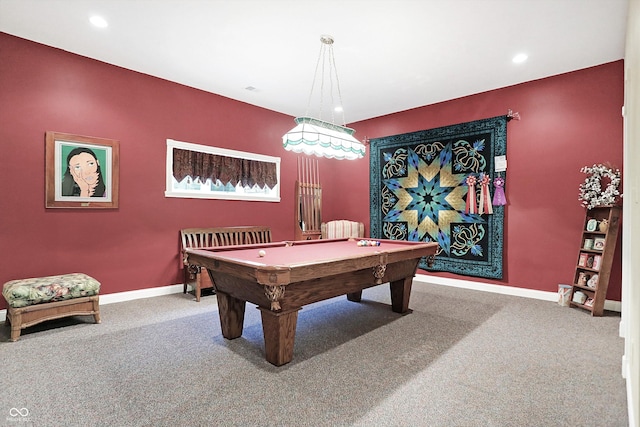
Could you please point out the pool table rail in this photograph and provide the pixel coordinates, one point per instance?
(220, 259)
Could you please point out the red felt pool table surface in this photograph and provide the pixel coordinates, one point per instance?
(293, 274)
(292, 254)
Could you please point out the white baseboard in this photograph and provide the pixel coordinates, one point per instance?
(506, 290)
(466, 284)
(140, 293)
(626, 374)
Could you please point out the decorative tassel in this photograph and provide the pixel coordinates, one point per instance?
(471, 195)
(485, 198)
(499, 199)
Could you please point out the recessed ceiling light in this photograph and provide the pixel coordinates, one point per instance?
(99, 21)
(520, 58)
(338, 109)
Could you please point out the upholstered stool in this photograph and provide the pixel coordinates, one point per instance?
(35, 300)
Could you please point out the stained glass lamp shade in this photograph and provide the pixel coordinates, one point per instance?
(323, 139)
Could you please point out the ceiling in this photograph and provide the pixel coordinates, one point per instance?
(391, 55)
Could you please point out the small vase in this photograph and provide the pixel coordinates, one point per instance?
(603, 226)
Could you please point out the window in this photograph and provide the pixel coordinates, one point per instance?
(204, 172)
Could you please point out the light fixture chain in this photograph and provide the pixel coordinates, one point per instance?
(332, 66)
(315, 76)
(321, 66)
(335, 69)
(324, 65)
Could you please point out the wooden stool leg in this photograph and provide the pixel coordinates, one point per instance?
(16, 325)
(96, 309)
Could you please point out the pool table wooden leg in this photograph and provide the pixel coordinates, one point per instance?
(279, 328)
(231, 311)
(355, 296)
(400, 293)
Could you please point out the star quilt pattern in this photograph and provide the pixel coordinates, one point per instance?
(419, 192)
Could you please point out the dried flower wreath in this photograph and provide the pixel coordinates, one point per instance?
(591, 194)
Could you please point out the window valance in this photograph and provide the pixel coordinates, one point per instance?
(224, 168)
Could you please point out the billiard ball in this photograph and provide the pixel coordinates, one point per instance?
(261, 253)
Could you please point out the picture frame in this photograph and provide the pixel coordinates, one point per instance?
(592, 224)
(598, 243)
(93, 179)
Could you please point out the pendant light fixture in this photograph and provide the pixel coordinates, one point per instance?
(315, 135)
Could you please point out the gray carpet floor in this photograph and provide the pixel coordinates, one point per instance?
(461, 358)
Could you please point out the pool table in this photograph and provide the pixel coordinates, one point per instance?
(289, 275)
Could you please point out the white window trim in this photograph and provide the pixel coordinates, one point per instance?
(170, 192)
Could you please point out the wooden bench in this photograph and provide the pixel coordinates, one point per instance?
(36, 300)
(219, 236)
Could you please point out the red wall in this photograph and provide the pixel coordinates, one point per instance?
(567, 122)
(135, 246)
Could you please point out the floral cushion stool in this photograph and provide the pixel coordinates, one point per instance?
(35, 300)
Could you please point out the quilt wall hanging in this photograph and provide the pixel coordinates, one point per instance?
(434, 185)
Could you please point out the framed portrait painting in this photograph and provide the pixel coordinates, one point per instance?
(81, 171)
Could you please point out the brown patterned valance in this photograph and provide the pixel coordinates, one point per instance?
(227, 169)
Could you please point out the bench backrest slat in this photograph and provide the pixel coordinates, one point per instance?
(223, 236)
